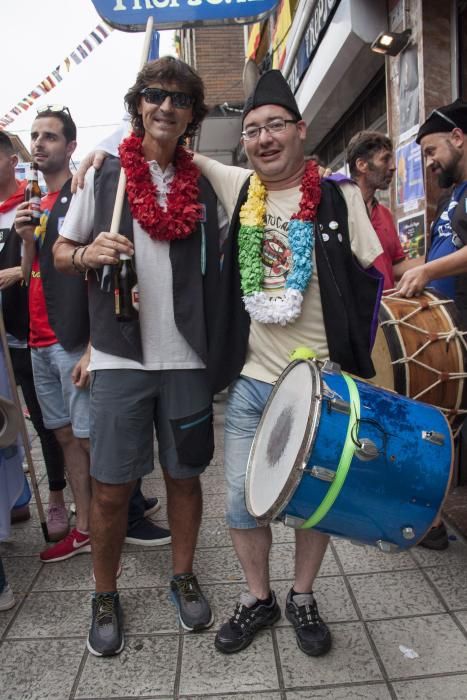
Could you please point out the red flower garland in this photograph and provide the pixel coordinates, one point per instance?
(182, 212)
(311, 193)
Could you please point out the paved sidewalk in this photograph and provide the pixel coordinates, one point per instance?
(374, 602)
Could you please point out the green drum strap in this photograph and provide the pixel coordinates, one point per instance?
(345, 460)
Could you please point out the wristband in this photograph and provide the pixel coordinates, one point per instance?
(75, 266)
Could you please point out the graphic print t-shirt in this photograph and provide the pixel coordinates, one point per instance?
(40, 333)
(270, 345)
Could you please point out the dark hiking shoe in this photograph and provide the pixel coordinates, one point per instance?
(238, 632)
(313, 635)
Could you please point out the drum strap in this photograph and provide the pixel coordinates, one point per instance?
(346, 457)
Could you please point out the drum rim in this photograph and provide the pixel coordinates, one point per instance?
(304, 451)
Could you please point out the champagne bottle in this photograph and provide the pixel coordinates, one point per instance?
(33, 194)
(126, 290)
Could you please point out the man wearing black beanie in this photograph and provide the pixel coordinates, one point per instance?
(443, 139)
(284, 222)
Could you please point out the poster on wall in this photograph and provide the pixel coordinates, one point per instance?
(409, 114)
(409, 176)
(412, 235)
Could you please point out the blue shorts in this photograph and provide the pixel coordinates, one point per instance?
(60, 400)
(245, 405)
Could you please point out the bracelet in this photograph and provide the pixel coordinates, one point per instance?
(81, 261)
(75, 266)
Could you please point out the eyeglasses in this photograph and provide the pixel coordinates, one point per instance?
(437, 113)
(275, 126)
(156, 96)
(53, 108)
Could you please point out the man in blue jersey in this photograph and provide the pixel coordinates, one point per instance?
(443, 139)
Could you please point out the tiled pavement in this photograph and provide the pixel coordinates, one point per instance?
(374, 602)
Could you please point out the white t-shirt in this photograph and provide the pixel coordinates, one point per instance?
(270, 345)
(164, 347)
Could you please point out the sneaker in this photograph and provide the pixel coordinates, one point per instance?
(238, 632)
(7, 599)
(147, 533)
(74, 543)
(313, 635)
(20, 515)
(151, 506)
(57, 522)
(26, 413)
(437, 538)
(105, 636)
(194, 612)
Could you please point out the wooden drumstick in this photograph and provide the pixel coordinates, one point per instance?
(120, 195)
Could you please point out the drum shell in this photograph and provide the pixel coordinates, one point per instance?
(403, 487)
(411, 355)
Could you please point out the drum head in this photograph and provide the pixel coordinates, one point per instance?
(283, 440)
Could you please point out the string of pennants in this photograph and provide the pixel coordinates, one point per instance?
(79, 54)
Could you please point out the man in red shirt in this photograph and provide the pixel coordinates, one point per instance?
(371, 162)
(15, 316)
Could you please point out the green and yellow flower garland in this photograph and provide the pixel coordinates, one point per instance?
(260, 306)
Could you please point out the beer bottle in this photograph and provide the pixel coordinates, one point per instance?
(33, 194)
(126, 290)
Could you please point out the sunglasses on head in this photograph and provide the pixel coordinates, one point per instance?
(53, 108)
(156, 96)
(437, 113)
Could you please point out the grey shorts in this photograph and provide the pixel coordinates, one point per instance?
(126, 404)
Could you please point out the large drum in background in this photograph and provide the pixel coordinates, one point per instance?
(419, 352)
(349, 459)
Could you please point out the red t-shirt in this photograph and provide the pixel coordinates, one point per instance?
(382, 221)
(40, 332)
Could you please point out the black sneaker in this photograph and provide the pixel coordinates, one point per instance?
(193, 609)
(437, 538)
(147, 533)
(313, 635)
(105, 637)
(238, 632)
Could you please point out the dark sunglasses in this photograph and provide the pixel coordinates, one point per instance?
(54, 108)
(156, 96)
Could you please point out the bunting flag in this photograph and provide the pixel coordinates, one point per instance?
(254, 40)
(279, 36)
(75, 57)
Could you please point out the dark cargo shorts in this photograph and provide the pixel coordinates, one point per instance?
(125, 406)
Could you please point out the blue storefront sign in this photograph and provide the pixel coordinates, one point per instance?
(132, 15)
(321, 16)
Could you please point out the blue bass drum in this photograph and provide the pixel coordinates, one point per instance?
(349, 459)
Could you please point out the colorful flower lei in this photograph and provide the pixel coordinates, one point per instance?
(259, 305)
(182, 212)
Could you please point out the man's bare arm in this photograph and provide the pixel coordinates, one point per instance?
(414, 281)
(71, 257)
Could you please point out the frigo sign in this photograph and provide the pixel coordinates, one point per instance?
(132, 15)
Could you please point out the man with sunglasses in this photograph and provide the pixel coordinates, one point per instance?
(152, 369)
(59, 334)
